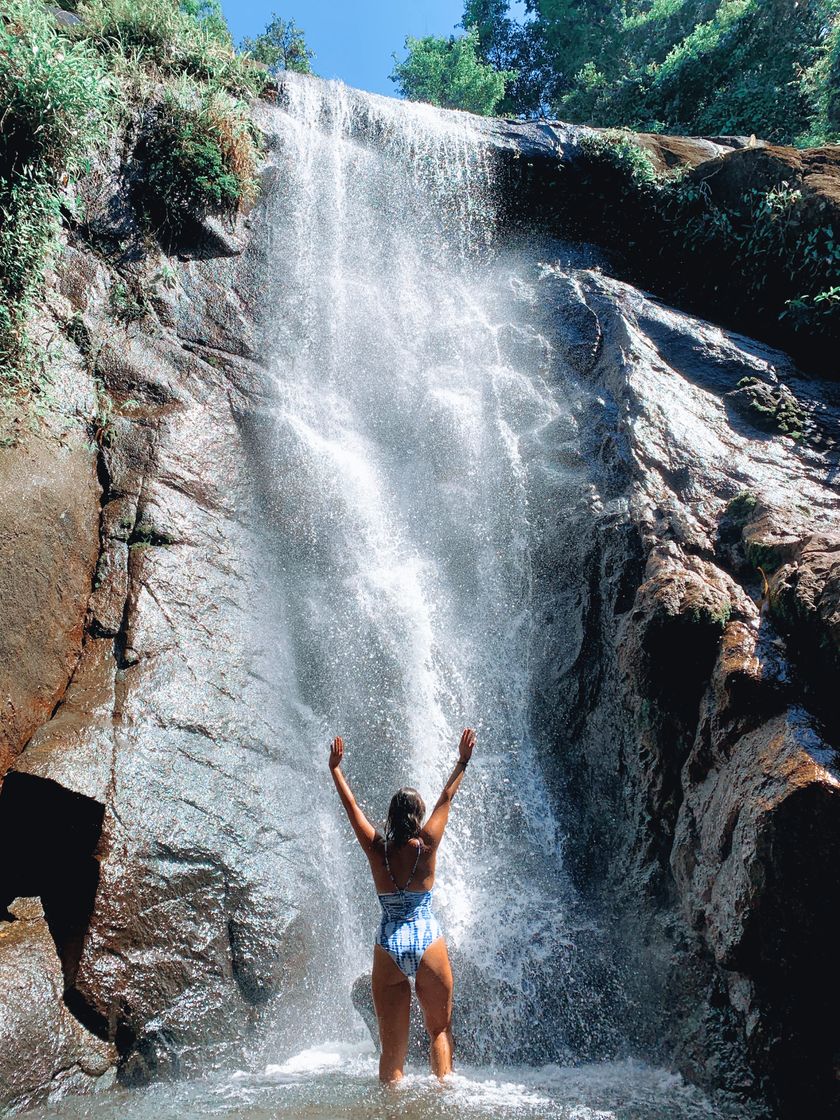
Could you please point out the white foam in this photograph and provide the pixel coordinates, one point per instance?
(319, 1059)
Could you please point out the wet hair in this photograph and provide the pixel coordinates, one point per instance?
(405, 816)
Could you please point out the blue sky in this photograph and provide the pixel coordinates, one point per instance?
(352, 39)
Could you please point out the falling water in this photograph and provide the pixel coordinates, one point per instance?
(415, 469)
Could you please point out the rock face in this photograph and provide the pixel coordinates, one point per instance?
(707, 660)
(692, 710)
(136, 649)
(44, 1051)
(747, 240)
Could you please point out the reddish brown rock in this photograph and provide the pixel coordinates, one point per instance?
(814, 171)
(669, 152)
(49, 542)
(805, 596)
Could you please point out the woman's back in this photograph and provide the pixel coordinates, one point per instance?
(409, 866)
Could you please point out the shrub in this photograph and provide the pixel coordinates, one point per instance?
(822, 82)
(160, 34)
(56, 98)
(752, 253)
(55, 95)
(751, 236)
(200, 155)
(619, 153)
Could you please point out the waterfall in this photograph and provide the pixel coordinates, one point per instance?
(420, 454)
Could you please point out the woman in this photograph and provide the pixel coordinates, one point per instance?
(410, 942)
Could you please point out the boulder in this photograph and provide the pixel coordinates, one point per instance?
(815, 172)
(44, 1051)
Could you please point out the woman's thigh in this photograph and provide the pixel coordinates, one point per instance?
(392, 1001)
(434, 987)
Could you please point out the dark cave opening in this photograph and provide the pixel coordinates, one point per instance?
(49, 837)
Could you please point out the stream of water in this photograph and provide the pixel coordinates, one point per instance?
(419, 459)
(423, 460)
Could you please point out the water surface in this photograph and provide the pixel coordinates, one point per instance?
(338, 1082)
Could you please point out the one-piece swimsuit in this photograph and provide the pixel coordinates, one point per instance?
(408, 925)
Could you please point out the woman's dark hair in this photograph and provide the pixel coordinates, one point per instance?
(405, 816)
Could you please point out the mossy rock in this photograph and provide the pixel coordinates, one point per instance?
(741, 508)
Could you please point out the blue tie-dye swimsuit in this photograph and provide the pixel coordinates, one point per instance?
(408, 926)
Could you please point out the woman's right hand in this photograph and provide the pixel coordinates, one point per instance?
(336, 753)
(465, 747)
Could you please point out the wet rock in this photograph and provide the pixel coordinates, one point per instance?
(814, 171)
(44, 1051)
(755, 858)
(669, 152)
(692, 722)
(154, 685)
(805, 599)
(49, 514)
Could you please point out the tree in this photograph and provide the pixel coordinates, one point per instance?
(508, 46)
(281, 46)
(495, 31)
(734, 66)
(571, 34)
(449, 73)
(771, 67)
(209, 14)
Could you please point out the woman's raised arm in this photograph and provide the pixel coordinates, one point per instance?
(436, 824)
(365, 832)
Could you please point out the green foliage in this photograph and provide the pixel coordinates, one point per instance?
(620, 153)
(756, 254)
(173, 39)
(708, 615)
(200, 156)
(209, 15)
(56, 98)
(739, 72)
(572, 33)
(506, 45)
(776, 408)
(198, 146)
(144, 535)
(449, 73)
(822, 83)
(64, 90)
(281, 46)
(769, 67)
(55, 95)
(765, 227)
(126, 305)
(733, 66)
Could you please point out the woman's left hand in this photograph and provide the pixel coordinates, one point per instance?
(336, 753)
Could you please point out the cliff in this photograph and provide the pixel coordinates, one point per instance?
(691, 706)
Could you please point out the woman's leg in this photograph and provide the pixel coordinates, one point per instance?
(392, 1001)
(433, 984)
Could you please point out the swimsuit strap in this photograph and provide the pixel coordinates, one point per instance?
(413, 870)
